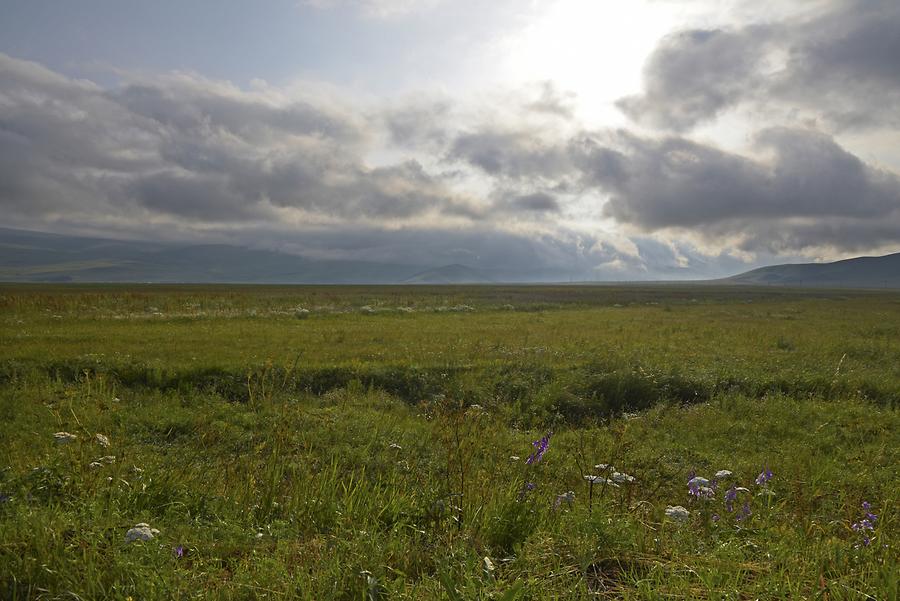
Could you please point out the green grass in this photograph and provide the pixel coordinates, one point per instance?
(262, 443)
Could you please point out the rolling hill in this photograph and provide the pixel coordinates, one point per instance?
(40, 257)
(860, 272)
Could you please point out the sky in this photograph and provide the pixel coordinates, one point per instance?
(545, 139)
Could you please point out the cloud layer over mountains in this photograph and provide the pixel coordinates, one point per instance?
(522, 183)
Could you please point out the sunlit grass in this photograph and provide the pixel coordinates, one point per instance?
(320, 469)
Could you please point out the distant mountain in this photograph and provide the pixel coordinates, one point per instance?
(861, 272)
(450, 274)
(40, 257)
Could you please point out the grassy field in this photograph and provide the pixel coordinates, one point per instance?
(373, 442)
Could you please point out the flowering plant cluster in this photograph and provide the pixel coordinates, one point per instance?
(540, 447)
(702, 489)
(865, 526)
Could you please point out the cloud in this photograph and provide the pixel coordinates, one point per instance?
(380, 9)
(808, 184)
(429, 180)
(838, 66)
(512, 153)
(186, 147)
(693, 76)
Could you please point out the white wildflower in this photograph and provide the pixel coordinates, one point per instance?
(603, 467)
(593, 479)
(107, 459)
(94, 465)
(723, 474)
(141, 532)
(742, 489)
(102, 440)
(620, 478)
(301, 313)
(395, 446)
(487, 566)
(514, 457)
(64, 437)
(566, 497)
(677, 513)
(698, 481)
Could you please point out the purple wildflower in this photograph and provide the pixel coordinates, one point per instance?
(180, 551)
(866, 523)
(764, 476)
(744, 512)
(715, 517)
(730, 496)
(526, 488)
(540, 447)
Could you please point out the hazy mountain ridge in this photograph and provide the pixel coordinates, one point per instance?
(860, 272)
(40, 257)
(27, 256)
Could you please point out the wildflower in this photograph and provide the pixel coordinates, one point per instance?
(620, 478)
(764, 476)
(866, 525)
(567, 497)
(487, 566)
(677, 513)
(594, 479)
(94, 465)
(698, 486)
(730, 496)
(603, 467)
(107, 459)
(180, 551)
(102, 440)
(526, 488)
(540, 447)
(395, 446)
(715, 517)
(141, 532)
(698, 481)
(514, 458)
(723, 474)
(744, 512)
(64, 437)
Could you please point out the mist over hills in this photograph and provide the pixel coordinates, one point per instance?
(27, 256)
(860, 272)
(38, 257)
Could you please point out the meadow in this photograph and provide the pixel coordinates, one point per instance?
(466, 442)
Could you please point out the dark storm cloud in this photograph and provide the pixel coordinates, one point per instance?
(693, 75)
(418, 123)
(537, 201)
(194, 149)
(511, 203)
(810, 184)
(840, 66)
(510, 153)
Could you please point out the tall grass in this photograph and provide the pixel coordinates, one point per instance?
(316, 467)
